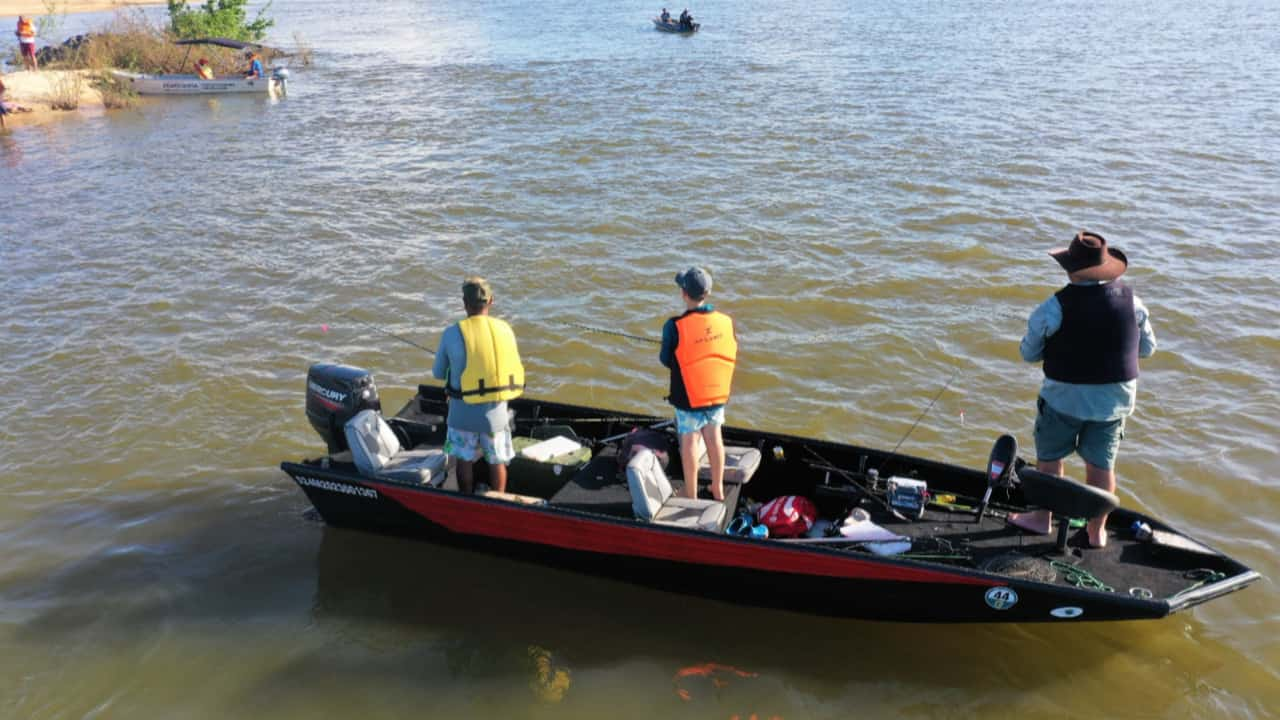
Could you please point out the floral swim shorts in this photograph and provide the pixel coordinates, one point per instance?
(469, 446)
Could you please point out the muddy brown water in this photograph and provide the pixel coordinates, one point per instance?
(873, 187)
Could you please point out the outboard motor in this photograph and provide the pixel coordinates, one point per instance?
(279, 81)
(335, 393)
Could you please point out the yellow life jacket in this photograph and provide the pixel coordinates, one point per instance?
(706, 355)
(494, 372)
(26, 29)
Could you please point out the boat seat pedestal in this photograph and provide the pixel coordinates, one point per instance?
(1065, 498)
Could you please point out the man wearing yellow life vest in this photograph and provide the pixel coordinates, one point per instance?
(701, 349)
(26, 33)
(480, 365)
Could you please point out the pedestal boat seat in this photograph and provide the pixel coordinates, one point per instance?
(377, 453)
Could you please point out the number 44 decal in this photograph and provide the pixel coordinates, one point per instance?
(1001, 598)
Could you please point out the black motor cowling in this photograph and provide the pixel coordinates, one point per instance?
(335, 393)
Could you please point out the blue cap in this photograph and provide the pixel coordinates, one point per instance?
(695, 282)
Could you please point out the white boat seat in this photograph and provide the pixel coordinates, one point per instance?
(653, 500)
(740, 463)
(377, 453)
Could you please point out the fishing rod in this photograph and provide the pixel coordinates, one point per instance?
(386, 332)
(894, 452)
(590, 328)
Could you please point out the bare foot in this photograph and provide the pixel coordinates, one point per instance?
(1039, 521)
(1098, 533)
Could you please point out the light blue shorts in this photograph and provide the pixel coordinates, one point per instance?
(690, 421)
(469, 446)
(1058, 435)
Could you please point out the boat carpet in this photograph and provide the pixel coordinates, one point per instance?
(1125, 565)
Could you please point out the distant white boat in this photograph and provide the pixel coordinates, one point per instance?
(194, 85)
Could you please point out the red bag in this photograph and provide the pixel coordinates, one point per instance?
(788, 516)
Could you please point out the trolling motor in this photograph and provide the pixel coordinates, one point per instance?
(1000, 472)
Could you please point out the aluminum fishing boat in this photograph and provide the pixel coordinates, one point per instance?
(930, 542)
(674, 26)
(274, 82)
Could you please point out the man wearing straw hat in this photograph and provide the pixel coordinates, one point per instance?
(1089, 335)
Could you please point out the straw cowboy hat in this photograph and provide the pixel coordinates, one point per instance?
(1089, 258)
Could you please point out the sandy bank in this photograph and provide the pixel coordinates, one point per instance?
(37, 89)
(14, 8)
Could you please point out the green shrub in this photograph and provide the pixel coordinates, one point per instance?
(218, 18)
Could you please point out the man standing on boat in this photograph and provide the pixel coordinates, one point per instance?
(701, 349)
(480, 365)
(1089, 336)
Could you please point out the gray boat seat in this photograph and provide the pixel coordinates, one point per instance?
(740, 463)
(653, 499)
(377, 453)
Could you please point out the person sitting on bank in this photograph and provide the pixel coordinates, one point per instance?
(203, 70)
(701, 350)
(8, 108)
(26, 33)
(480, 364)
(665, 16)
(255, 65)
(1089, 335)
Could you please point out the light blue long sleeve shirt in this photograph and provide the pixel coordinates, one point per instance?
(451, 362)
(1108, 401)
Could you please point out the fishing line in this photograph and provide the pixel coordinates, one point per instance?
(385, 331)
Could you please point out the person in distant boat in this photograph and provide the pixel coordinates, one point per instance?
(8, 108)
(665, 16)
(203, 69)
(701, 349)
(1089, 335)
(255, 65)
(480, 365)
(26, 33)
(684, 18)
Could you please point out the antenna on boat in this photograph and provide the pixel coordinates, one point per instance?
(894, 452)
(386, 332)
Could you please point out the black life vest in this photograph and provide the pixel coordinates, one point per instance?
(1098, 340)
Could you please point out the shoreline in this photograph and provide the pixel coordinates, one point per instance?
(34, 90)
(36, 8)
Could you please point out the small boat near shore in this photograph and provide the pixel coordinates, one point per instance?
(145, 84)
(894, 538)
(674, 26)
(275, 82)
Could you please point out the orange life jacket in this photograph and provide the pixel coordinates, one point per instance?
(26, 29)
(706, 354)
